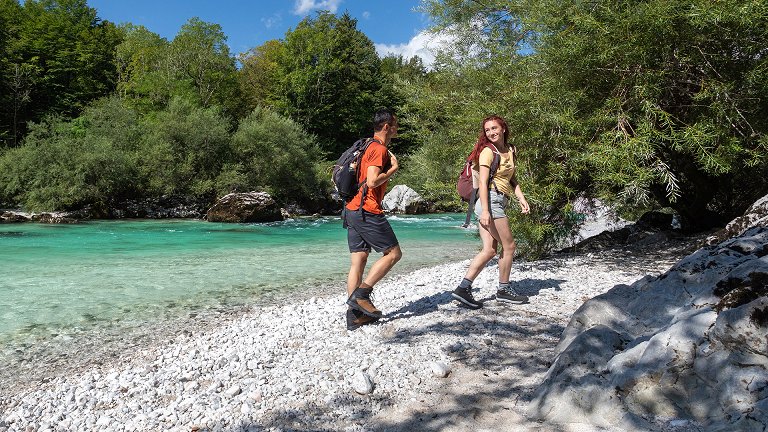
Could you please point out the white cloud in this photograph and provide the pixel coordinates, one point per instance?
(423, 45)
(302, 7)
(366, 15)
(271, 21)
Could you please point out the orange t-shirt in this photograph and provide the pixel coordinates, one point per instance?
(375, 155)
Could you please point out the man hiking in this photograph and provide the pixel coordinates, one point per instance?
(366, 225)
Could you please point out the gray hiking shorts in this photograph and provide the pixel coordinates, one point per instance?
(498, 202)
(368, 230)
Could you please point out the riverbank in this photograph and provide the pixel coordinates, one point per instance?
(291, 367)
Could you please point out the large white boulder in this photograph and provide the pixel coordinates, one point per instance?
(598, 218)
(402, 199)
(691, 345)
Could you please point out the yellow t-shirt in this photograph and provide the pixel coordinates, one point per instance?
(506, 172)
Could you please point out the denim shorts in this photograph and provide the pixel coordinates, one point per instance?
(368, 230)
(498, 203)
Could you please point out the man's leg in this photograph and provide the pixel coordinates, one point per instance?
(378, 233)
(355, 277)
(359, 250)
(382, 266)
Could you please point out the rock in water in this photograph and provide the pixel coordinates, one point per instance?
(244, 208)
(402, 199)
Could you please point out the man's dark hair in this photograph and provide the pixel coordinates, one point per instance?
(383, 116)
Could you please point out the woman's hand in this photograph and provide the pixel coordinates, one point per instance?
(485, 218)
(524, 207)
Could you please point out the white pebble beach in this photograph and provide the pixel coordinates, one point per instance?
(429, 364)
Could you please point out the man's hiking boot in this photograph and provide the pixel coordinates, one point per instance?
(357, 319)
(464, 295)
(360, 300)
(510, 296)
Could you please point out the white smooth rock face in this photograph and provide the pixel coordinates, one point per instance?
(399, 198)
(690, 342)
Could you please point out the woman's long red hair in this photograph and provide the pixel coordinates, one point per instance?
(482, 140)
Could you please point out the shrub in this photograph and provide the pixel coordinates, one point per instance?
(274, 154)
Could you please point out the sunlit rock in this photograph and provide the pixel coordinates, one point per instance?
(245, 207)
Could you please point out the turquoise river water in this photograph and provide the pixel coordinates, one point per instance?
(62, 279)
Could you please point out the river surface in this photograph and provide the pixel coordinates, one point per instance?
(60, 280)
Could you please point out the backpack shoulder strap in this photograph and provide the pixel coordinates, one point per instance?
(363, 184)
(364, 149)
(494, 164)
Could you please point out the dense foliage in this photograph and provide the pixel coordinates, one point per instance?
(645, 104)
(292, 173)
(57, 57)
(325, 75)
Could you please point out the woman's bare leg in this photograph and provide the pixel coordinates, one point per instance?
(486, 254)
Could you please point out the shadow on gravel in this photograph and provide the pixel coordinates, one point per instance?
(420, 307)
(423, 306)
(504, 353)
(532, 287)
(490, 344)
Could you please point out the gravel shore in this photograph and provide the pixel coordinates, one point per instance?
(295, 366)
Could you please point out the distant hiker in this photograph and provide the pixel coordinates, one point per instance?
(493, 198)
(366, 225)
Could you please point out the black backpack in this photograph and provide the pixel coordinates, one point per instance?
(345, 175)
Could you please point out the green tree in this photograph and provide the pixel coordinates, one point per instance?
(398, 75)
(259, 77)
(58, 57)
(69, 164)
(330, 78)
(144, 74)
(196, 65)
(184, 148)
(274, 154)
(200, 56)
(14, 87)
(645, 103)
(675, 96)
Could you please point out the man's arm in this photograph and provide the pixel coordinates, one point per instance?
(375, 177)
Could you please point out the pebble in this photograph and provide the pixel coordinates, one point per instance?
(233, 391)
(362, 383)
(440, 369)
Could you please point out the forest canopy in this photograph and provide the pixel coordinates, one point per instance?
(643, 104)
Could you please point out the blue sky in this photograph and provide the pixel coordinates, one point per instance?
(393, 25)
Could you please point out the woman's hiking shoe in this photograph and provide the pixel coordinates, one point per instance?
(360, 300)
(510, 296)
(465, 297)
(357, 319)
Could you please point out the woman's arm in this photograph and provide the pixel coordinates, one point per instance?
(483, 191)
(524, 207)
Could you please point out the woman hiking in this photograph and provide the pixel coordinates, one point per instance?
(494, 192)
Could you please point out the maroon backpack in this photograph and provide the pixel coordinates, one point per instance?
(465, 186)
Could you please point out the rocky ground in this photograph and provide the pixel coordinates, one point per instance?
(294, 366)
